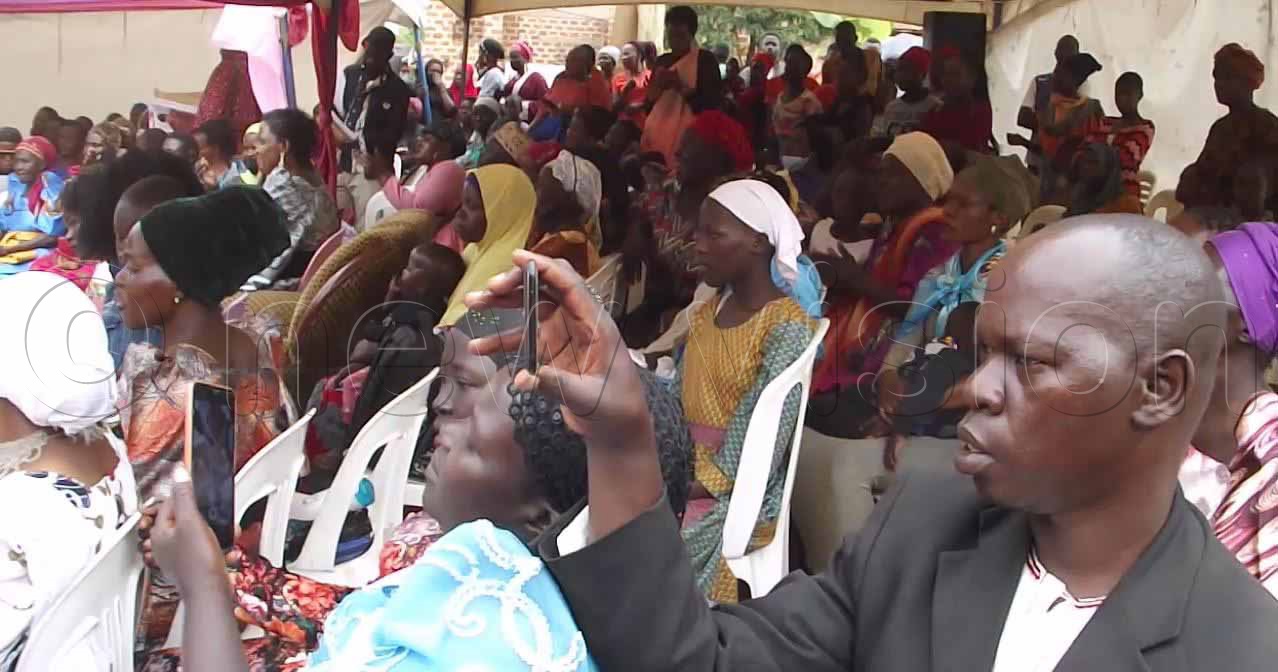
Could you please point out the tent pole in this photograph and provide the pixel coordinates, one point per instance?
(466, 11)
(290, 86)
(421, 73)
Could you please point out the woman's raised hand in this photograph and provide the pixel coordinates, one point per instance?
(584, 364)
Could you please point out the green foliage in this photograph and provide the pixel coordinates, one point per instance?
(741, 27)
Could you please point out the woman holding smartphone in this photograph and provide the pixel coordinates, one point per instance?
(181, 260)
(63, 487)
(503, 457)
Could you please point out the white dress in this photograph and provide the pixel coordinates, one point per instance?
(43, 548)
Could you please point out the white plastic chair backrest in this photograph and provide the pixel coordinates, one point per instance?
(678, 331)
(1164, 201)
(604, 280)
(754, 469)
(1148, 180)
(396, 427)
(272, 473)
(1040, 217)
(101, 602)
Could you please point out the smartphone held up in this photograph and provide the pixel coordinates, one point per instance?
(210, 456)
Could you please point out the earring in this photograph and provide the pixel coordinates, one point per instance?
(994, 229)
(177, 299)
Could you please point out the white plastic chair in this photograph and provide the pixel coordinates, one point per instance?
(1036, 220)
(1164, 202)
(271, 474)
(396, 427)
(102, 602)
(619, 298)
(764, 567)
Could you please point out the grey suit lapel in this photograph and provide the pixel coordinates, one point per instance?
(973, 592)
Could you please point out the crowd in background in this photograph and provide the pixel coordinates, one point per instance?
(738, 205)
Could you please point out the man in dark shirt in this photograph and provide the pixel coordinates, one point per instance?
(375, 99)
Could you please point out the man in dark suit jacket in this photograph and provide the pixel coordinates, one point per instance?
(375, 99)
(1090, 384)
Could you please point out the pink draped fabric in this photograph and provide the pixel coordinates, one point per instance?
(1247, 521)
(61, 6)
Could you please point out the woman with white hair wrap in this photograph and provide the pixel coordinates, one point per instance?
(62, 484)
(739, 341)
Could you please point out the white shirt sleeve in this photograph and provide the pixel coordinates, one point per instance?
(1030, 94)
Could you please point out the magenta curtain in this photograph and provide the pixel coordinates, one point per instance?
(52, 6)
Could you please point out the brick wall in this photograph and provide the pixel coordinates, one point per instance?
(552, 33)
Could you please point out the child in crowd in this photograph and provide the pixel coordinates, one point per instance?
(396, 347)
(1130, 134)
(906, 114)
(793, 109)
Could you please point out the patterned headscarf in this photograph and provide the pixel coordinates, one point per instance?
(515, 141)
(40, 147)
(1243, 63)
(583, 180)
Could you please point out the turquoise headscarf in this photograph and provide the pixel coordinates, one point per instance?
(477, 599)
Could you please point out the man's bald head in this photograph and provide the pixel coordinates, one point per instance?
(1158, 280)
(1100, 339)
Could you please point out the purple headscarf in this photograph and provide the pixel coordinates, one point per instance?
(1250, 257)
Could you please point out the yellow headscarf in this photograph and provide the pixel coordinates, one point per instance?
(509, 203)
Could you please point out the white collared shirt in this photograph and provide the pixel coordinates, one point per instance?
(1043, 622)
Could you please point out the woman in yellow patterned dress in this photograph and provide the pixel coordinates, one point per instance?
(748, 244)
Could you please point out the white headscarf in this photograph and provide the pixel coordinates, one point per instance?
(579, 177)
(582, 179)
(55, 365)
(761, 208)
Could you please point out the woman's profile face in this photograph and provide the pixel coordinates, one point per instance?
(27, 166)
(269, 149)
(477, 470)
(471, 223)
(145, 292)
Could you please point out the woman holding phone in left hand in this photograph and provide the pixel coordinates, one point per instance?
(180, 261)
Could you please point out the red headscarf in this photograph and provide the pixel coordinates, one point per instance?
(524, 49)
(766, 59)
(720, 130)
(472, 91)
(918, 57)
(40, 147)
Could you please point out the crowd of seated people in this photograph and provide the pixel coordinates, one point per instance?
(747, 209)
